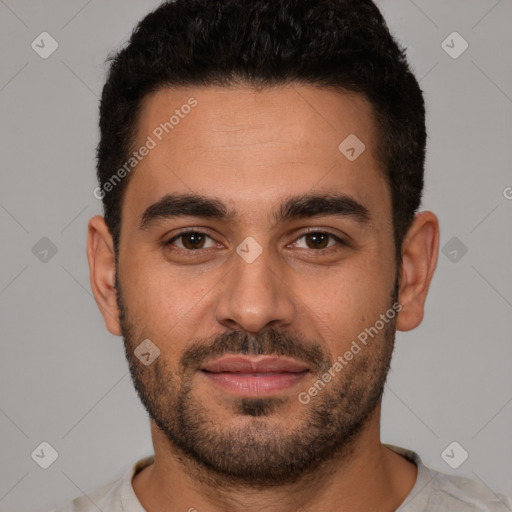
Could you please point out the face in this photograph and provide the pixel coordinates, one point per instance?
(256, 257)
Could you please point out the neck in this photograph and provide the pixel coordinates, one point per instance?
(365, 476)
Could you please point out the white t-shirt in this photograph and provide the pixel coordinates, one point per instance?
(433, 492)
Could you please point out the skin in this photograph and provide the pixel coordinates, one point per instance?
(252, 150)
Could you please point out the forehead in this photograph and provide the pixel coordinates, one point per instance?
(249, 147)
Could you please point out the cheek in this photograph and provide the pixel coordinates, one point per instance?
(350, 300)
(163, 302)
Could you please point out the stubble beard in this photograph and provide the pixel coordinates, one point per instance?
(261, 450)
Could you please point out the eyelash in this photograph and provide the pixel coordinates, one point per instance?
(339, 240)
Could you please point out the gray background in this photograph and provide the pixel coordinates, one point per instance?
(64, 378)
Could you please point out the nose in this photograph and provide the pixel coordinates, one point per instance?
(255, 296)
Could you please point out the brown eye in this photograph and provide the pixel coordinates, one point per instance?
(190, 240)
(317, 240)
(193, 240)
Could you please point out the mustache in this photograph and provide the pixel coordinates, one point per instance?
(270, 342)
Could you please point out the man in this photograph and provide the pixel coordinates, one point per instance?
(261, 169)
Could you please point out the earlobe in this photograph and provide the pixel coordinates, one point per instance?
(100, 254)
(419, 259)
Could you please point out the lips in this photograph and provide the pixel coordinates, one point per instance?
(257, 364)
(254, 375)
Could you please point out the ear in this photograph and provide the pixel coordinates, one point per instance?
(102, 268)
(419, 259)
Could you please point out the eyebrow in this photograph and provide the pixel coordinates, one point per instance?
(294, 207)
